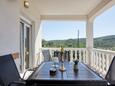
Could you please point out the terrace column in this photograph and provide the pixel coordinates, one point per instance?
(89, 41)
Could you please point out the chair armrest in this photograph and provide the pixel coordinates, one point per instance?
(30, 69)
(27, 71)
(22, 83)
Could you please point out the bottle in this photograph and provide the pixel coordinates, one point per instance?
(75, 66)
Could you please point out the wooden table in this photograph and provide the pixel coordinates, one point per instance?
(83, 77)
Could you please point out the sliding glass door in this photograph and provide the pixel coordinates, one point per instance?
(25, 44)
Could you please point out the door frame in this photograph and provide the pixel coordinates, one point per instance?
(26, 23)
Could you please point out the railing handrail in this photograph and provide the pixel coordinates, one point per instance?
(104, 51)
(65, 48)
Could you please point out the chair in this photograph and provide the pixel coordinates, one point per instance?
(9, 75)
(110, 76)
(46, 55)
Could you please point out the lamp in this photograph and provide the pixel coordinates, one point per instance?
(26, 4)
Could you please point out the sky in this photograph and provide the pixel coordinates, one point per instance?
(104, 25)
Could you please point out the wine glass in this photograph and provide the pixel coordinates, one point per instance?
(55, 62)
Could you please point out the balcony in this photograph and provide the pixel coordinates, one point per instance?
(21, 31)
(100, 59)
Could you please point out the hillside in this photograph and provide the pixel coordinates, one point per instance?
(106, 42)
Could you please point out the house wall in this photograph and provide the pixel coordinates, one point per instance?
(9, 26)
(32, 13)
(10, 13)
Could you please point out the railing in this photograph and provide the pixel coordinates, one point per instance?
(72, 53)
(100, 60)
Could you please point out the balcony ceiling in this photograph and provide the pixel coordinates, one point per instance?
(71, 9)
(67, 7)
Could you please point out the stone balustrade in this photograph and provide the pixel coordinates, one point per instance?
(100, 60)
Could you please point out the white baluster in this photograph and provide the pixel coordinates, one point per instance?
(86, 56)
(83, 57)
(80, 56)
(71, 56)
(107, 62)
(100, 62)
(103, 63)
(75, 54)
(97, 60)
(94, 59)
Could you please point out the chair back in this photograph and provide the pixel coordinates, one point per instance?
(8, 70)
(46, 55)
(110, 76)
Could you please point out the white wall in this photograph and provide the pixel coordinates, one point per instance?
(10, 12)
(9, 26)
(32, 13)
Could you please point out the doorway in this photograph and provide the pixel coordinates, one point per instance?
(25, 44)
